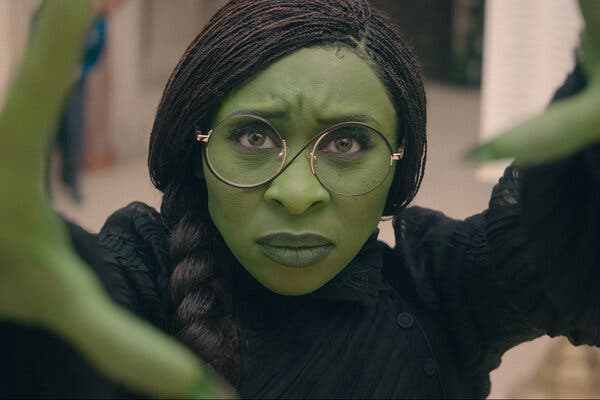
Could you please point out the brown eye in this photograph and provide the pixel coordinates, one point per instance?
(256, 139)
(343, 144)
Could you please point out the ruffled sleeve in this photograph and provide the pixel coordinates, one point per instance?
(527, 266)
(134, 242)
(561, 221)
(544, 235)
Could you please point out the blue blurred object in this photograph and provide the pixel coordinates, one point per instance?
(70, 131)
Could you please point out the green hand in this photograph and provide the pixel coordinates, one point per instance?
(568, 125)
(42, 281)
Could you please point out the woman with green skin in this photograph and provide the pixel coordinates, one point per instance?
(275, 170)
(314, 89)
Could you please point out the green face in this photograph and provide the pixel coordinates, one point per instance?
(292, 234)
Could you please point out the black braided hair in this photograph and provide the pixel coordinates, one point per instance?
(241, 39)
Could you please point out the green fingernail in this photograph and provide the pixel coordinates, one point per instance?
(481, 153)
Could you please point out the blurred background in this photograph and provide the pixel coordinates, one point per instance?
(488, 63)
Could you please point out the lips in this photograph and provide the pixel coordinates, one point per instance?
(295, 250)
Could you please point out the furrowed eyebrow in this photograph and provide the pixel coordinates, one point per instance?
(263, 113)
(335, 119)
(271, 108)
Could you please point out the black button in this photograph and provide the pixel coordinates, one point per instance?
(405, 320)
(429, 366)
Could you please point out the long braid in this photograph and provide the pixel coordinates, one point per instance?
(201, 305)
(241, 39)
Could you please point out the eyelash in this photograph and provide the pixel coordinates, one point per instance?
(360, 137)
(237, 132)
(355, 134)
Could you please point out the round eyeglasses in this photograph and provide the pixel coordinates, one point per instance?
(349, 158)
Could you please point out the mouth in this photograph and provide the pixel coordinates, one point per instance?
(293, 250)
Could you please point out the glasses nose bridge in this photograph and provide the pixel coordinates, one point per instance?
(308, 148)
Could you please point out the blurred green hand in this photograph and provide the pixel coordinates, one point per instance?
(42, 281)
(566, 126)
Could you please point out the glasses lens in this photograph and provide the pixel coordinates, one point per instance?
(352, 159)
(244, 151)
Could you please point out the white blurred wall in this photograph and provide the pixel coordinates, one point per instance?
(146, 39)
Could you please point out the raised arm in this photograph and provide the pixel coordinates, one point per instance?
(557, 202)
(530, 264)
(42, 281)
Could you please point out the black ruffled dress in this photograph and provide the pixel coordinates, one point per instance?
(428, 318)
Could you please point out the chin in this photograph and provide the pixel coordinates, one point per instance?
(291, 286)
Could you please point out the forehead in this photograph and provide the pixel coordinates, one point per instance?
(315, 86)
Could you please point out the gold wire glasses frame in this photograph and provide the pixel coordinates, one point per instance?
(204, 138)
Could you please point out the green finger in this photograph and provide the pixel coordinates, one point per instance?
(562, 130)
(590, 41)
(567, 126)
(126, 349)
(122, 347)
(35, 99)
(590, 10)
